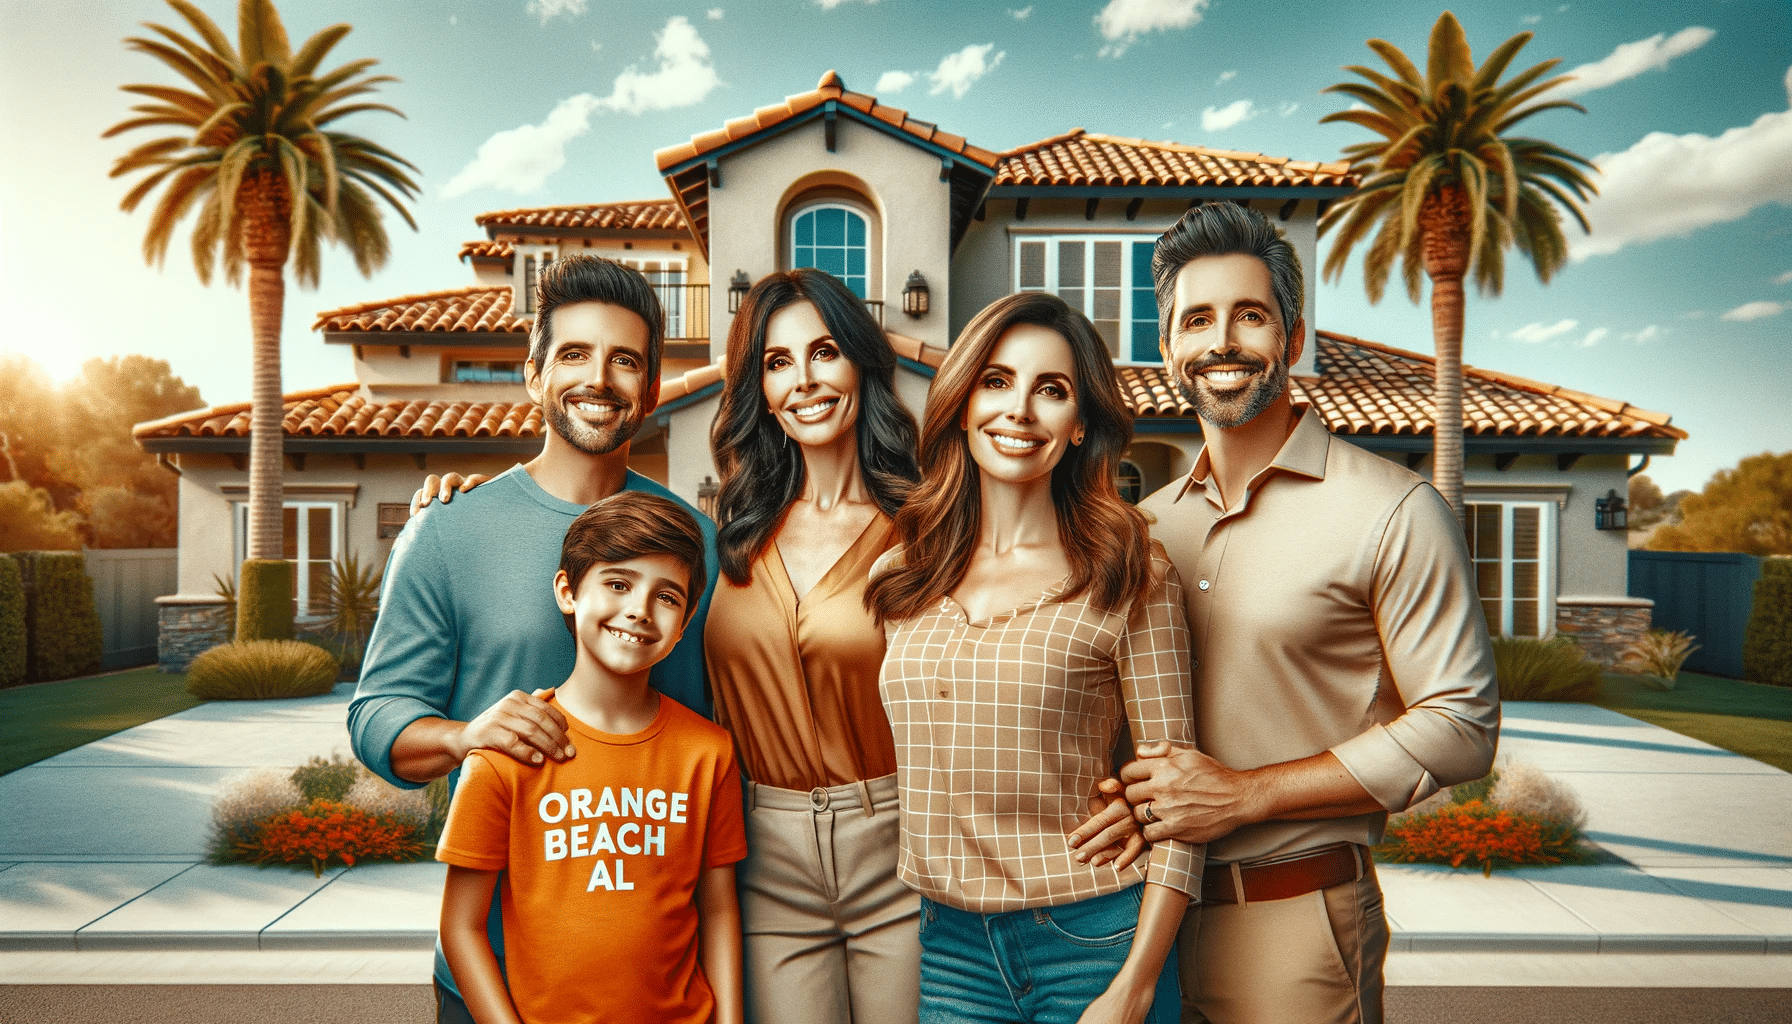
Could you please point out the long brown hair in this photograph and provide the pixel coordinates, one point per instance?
(762, 470)
(1104, 538)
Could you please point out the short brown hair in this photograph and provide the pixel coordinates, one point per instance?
(632, 524)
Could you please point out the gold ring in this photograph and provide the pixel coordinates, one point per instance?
(1150, 815)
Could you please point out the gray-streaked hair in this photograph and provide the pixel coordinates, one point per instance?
(1220, 229)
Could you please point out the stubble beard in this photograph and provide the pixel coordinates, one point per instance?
(594, 440)
(1235, 409)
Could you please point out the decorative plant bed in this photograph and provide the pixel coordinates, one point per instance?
(1515, 817)
(324, 813)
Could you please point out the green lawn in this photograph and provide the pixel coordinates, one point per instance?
(1747, 718)
(44, 719)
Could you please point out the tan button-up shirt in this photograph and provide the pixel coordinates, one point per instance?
(1332, 608)
(1004, 726)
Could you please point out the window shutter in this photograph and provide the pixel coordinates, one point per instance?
(1032, 267)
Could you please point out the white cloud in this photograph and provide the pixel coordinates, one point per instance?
(596, 46)
(958, 71)
(1022, 14)
(1594, 337)
(1756, 311)
(1644, 336)
(1226, 76)
(1122, 22)
(1632, 59)
(520, 159)
(548, 10)
(1287, 107)
(1531, 19)
(1218, 119)
(716, 13)
(1785, 278)
(828, 5)
(1537, 332)
(453, 19)
(1672, 185)
(891, 82)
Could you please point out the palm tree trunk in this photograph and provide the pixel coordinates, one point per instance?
(267, 232)
(1443, 223)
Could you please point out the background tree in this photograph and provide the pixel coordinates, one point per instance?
(1451, 190)
(1649, 507)
(267, 181)
(29, 521)
(1746, 509)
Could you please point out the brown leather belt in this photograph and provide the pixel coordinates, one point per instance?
(1281, 879)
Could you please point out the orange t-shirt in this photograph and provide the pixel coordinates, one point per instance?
(602, 857)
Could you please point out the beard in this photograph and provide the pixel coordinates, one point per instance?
(585, 437)
(1235, 408)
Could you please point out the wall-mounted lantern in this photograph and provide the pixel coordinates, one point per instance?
(738, 287)
(914, 295)
(706, 496)
(1610, 512)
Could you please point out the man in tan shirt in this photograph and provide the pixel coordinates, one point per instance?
(1342, 666)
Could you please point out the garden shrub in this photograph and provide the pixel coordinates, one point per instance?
(1526, 789)
(12, 623)
(1767, 644)
(377, 796)
(1481, 835)
(325, 831)
(329, 780)
(261, 670)
(1658, 655)
(1544, 670)
(1463, 792)
(264, 605)
(62, 624)
(244, 802)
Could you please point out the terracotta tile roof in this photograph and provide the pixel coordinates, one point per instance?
(831, 87)
(342, 411)
(1085, 158)
(1369, 388)
(476, 310)
(634, 215)
(486, 250)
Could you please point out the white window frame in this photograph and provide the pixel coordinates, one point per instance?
(1051, 239)
(674, 313)
(797, 213)
(1547, 553)
(522, 299)
(240, 517)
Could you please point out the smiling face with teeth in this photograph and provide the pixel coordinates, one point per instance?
(1228, 351)
(1022, 414)
(592, 381)
(810, 386)
(627, 615)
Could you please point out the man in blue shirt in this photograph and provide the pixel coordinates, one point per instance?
(468, 623)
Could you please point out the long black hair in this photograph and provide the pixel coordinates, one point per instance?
(762, 470)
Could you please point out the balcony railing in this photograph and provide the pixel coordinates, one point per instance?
(686, 307)
(876, 308)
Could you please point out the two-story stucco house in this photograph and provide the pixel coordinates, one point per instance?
(927, 228)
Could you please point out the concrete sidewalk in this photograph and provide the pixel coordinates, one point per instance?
(102, 871)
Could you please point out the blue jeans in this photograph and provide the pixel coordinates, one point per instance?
(1039, 966)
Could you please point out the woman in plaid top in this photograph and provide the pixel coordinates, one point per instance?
(1027, 611)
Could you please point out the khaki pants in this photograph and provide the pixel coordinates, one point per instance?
(831, 936)
(1310, 959)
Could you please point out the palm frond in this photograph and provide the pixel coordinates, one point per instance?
(1448, 58)
(1495, 64)
(261, 35)
(1397, 59)
(311, 54)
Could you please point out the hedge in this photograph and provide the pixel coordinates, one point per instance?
(264, 601)
(1767, 645)
(62, 624)
(12, 623)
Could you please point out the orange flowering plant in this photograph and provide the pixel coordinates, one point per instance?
(325, 830)
(1482, 834)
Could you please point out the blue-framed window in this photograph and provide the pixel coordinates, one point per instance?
(1108, 278)
(833, 238)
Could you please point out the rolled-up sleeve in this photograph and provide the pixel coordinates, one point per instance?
(1434, 638)
(409, 669)
(1153, 662)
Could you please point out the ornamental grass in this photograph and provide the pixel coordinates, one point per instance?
(320, 814)
(262, 670)
(1555, 669)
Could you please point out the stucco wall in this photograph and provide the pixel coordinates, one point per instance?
(687, 447)
(1591, 562)
(901, 185)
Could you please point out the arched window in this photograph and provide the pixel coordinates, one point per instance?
(1129, 482)
(833, 238)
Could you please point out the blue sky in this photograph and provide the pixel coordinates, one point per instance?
(1681, 301)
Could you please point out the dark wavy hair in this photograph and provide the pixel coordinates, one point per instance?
(761, 469)
(1104, 538)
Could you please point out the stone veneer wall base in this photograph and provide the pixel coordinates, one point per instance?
(1604, 627)
(187, 627)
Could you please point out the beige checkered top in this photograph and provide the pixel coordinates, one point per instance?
(1004, 726)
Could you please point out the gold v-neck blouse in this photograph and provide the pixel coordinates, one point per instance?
(796, 681)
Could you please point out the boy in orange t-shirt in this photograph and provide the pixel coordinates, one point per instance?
(618, 863)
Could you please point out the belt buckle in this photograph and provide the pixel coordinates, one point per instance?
(818, 799)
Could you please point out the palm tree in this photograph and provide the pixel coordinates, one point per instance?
(1451, 190)
(268, 181)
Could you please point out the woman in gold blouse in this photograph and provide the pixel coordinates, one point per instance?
(1028, 614)
(815, 453)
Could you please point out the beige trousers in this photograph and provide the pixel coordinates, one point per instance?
(831, 936)
(1311, 959)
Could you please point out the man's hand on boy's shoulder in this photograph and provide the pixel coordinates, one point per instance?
(522, 725)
